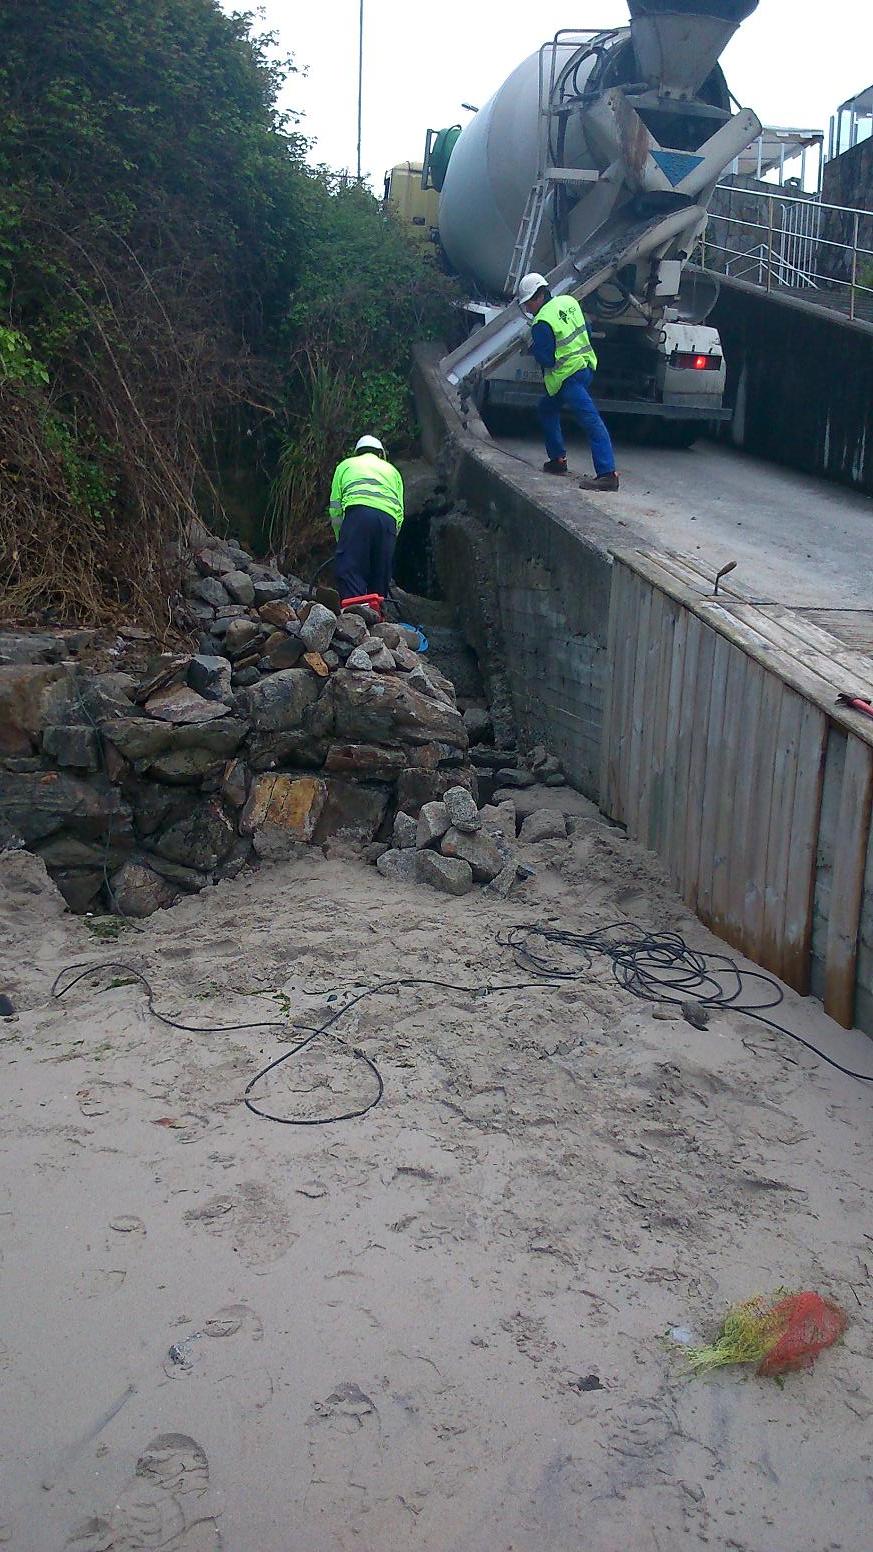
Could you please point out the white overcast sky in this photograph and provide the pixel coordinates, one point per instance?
(792, 63)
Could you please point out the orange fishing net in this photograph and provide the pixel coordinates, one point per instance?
(809, 1324)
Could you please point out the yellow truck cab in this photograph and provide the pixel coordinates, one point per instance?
(416, 207)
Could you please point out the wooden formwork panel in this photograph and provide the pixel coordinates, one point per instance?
(714, 754)
(847, 883)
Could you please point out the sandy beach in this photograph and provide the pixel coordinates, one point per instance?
(456, 1324)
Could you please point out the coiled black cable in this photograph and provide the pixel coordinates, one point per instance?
(655, 967)
(660, 967)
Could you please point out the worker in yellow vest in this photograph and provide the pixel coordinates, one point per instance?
(561, 346)
(366, 514)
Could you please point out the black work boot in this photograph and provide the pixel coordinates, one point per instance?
(599, 481)
(555, 466)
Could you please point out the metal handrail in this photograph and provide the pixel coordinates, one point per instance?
(793, 244)
(812, 200)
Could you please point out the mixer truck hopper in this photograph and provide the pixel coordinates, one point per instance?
(594, 163)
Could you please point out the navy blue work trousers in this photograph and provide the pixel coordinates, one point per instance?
(364, 552)
(573, 397)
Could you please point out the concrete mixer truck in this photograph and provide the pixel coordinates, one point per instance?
(594, 163)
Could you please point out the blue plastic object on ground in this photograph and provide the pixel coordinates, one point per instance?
(422, 639)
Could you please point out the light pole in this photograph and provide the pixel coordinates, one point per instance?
(360, 78)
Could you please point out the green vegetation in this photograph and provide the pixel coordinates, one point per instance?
(365, 296)
(106, 928)
(179, 295)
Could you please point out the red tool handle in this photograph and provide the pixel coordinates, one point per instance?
(857, 703)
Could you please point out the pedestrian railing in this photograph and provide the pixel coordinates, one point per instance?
(784, 241)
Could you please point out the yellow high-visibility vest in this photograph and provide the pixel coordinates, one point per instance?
(573, 350)
(366, 480)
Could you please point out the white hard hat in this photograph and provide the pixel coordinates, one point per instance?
(369, 444)
(529, 285)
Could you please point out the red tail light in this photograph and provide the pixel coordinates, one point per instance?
(685, 358)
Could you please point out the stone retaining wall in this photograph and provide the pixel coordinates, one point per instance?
(295, 727)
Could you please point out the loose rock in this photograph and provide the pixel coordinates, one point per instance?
(405, 833)
(448, 874)
(268, 587)
(383, 661)
(351, 628)
(284, 648)
(504, 882)
(516, 778)
(208, 590)
(240, 586)
(315, 661)
(500, 817)
(399, 865)
(278, 613)
(210, 677)
(481, 852)
(433, 822)
(462, 811)
(317, 630)
(544, 825)
(359, 661)
(239, 633)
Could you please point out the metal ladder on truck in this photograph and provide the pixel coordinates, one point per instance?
(551, 107)
(529, 230)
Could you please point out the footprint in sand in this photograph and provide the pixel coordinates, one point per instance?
(230, 1321)
(166, 1504)
(190, 1357)
(252, 1217)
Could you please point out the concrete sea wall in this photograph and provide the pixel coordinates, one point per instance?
(707, 727)
(801, 382)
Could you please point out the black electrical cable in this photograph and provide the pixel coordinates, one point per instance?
(652, 966)
(369, 991)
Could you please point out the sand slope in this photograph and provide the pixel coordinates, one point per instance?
(443, 1326)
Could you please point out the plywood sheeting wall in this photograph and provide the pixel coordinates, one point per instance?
(715, 741)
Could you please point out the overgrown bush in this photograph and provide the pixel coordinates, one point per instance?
(368, 292)
(147, 246)
(178, 292)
